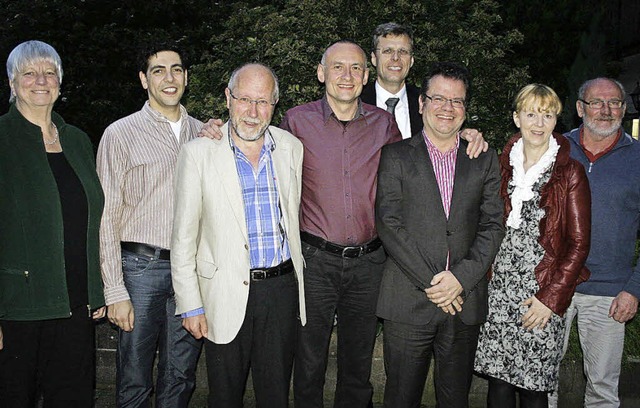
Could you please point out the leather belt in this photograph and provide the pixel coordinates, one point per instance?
(284, 268)
(343, 251)
(146, 250)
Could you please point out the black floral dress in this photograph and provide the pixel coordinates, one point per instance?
(506, 350)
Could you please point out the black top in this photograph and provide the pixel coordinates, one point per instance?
(75, 216)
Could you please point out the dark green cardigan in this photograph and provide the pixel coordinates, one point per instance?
(32, 271)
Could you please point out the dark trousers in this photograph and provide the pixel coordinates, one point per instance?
(53, 358)
(265, 344)
(503, 395)
(350, 287)
(407, 355)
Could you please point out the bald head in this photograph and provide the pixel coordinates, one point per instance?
(252, 69)
(343, 45)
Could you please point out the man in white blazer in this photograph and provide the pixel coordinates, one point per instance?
(236, 257)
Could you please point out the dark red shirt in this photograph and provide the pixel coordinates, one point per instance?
(593, 157)
(339, 173)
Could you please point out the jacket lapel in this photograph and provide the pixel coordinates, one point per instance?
(461, 176)
(225, 164)
(281, 157)
(424, 167)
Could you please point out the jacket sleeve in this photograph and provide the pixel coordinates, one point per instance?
(185, 233)
(577, 229)
(391, 225)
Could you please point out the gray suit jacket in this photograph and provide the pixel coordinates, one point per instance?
(417, 235)
(209, 247)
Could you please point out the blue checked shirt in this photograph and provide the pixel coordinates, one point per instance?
(268, 244)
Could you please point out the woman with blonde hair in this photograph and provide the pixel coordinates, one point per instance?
(541, 259)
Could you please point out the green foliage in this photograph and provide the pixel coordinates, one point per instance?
(292, 36)
(566, 43)
(98, 42)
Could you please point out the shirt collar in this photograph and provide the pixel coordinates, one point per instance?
(327, 112)
(593, 157)
(269, 141)
(434, 150)
(159, 117)
(384, 94)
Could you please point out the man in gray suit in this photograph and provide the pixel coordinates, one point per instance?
(439, 216)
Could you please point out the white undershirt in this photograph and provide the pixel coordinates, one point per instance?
(176, 127)
(402, 108)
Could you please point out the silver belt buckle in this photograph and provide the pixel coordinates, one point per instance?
(258, 275)
(360, 250)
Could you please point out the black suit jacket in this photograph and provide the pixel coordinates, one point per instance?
(413, 93)
(416, 234)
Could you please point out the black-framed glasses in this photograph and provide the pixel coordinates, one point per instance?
(599, 104)
(260, 103)
(438, 100)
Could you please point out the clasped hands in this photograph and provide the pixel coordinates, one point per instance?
(445, 292)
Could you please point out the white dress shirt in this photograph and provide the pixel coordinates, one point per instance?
(402, 108)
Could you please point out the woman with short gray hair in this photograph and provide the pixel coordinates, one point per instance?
(50, 208)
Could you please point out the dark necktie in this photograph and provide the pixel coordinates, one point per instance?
(391, 105)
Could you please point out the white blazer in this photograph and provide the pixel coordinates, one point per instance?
(209, 246)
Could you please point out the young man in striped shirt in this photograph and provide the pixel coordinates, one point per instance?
(136, 163)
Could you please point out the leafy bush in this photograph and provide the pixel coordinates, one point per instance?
(291, 36)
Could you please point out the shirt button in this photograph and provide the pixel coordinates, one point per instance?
(246, 283)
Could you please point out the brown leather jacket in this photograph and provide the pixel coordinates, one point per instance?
(565, 230)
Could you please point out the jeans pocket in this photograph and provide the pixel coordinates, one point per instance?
(308, 251)
(377, 257)
(134, 264)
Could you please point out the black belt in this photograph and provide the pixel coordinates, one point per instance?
(284, 268)
(146, 250)
(343, 251)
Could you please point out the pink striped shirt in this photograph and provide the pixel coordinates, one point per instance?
(136, 161)
(444, 166)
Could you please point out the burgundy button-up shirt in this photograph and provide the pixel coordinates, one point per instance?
(340, 168)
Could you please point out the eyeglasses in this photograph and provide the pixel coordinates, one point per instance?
(260, 103)
(598, 104)
(438, 101)
(389, 52)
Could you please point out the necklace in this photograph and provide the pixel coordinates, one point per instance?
(55, 139)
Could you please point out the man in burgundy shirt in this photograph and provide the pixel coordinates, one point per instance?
(344, 258)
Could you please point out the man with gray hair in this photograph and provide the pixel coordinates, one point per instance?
(609, 299)
(236, 256)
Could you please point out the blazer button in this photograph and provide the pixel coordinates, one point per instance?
(448, 233)
(246, 283)
(246, 247)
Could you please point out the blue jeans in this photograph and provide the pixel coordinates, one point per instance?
(148, 281)
(348, 287)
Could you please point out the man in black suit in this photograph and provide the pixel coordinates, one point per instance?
(392, 55)
(439, 216)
